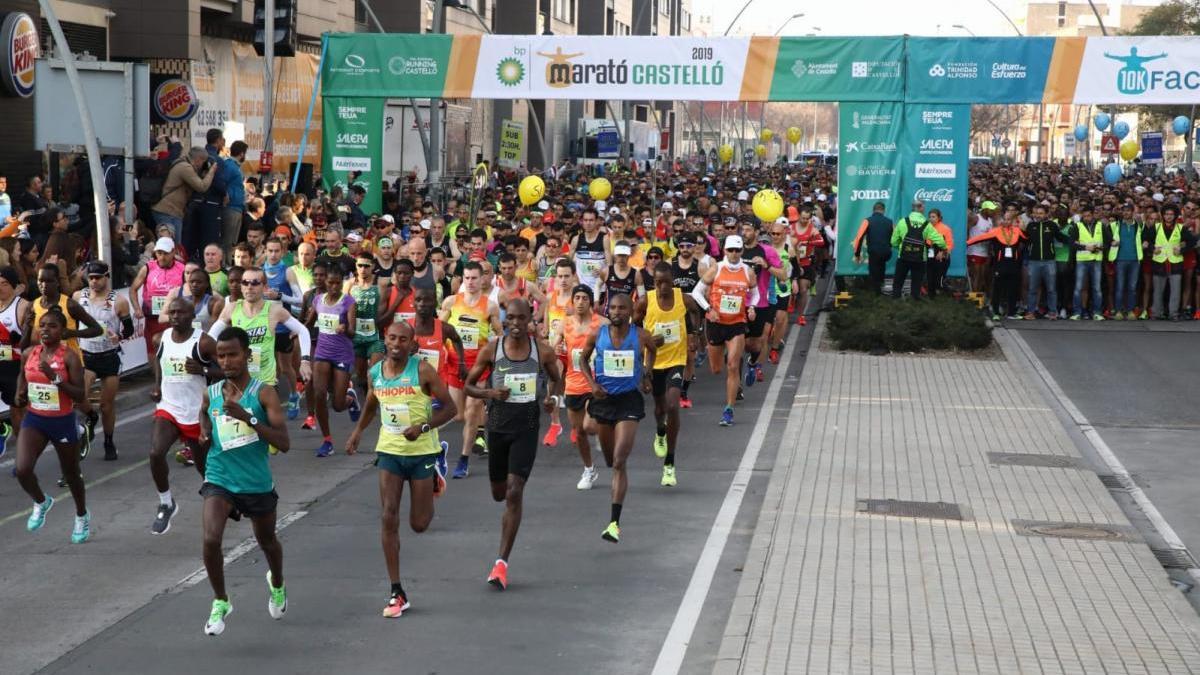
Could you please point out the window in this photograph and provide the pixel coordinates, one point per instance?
(1062, 14)
(664, 7)
(564, 10)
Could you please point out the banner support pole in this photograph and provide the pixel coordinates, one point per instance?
(312, 104)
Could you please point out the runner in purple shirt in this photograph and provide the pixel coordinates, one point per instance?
(333, 314)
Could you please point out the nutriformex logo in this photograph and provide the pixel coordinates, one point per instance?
(1134, 78)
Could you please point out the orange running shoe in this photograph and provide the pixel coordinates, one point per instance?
(499, 575)
(801, 321)
(396, 606)
(551, 438)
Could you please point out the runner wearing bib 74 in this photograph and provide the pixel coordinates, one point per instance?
(727, 292)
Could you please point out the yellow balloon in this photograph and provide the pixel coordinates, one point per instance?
(760, 150)
(768, 205)
(600, 188)
(725, 153)
(531, 190)
(794, 134)
(1129, 150)
(767, 135)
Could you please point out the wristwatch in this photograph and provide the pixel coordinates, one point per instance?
(425, 428)
(253, 421)
(57, 379)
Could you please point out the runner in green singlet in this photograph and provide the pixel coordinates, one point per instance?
(368, 347)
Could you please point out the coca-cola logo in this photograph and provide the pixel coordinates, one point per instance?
(938, 195)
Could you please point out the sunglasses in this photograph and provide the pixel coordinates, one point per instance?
(97, 276)
(363, 266)
(733, 250)
(251, 282)
(684, 244)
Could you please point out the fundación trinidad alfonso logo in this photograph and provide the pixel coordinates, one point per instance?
(1134, 78)
(510, 72)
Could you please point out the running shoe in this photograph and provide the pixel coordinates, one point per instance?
(773, 357)
(701, 358)
(668, 477)
(996, 317)
(162, 520)
(685, 401)
(82, 529)
(551, 438)
(442, 467)
(184, 456)
(587, 479)
(758, 372)
(574, 436)
(5, 434)
(293, 407)
(85, 441)
(110, 450)
(352, 405)
(37, 517)
(660, 446)
(1076, 317)
(396, 606)
(216, 618)
(727, 417)
(1097, 317)
(326, 449)
(612, 532)
(480, 448)
(462, 470)
(310, 422)
(1014, 317)
(741, 395)
(277, 605)
(90, 426)
(1119, 316)
(499, 575)
(801, 321)
(749, 378)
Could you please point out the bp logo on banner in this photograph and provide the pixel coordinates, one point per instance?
(352, 146)
(868, 148)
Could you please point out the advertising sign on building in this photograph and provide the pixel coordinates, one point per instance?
(175, 100)
(19, 40)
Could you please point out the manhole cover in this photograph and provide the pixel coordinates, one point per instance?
(1030, 459)
(1064, 530)
(906, 509)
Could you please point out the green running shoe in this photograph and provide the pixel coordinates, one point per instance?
(660, 446)
(612, 532)
(216, 619)
(82, 529)
(37, 517)
(668, 477)
(277, 605)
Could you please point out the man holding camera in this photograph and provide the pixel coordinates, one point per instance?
(185, 178)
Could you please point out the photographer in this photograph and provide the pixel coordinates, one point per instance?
(186, 177)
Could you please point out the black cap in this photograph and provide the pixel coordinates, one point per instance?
(583, 288)
(96, 267)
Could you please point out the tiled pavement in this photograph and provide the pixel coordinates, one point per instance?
(828, 589)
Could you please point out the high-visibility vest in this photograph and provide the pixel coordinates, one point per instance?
(1089, 236)
(1167, 249)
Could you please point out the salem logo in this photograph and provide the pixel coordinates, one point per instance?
(859, 195)
(938, 195)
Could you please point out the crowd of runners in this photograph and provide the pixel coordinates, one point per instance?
(447, 339)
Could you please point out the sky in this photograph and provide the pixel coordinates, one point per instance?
(863, 17)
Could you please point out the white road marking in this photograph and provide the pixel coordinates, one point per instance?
(1110, 459)
(670, 657)
(245, 546)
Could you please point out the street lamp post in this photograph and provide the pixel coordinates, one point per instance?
(964, 28)
(787, 21)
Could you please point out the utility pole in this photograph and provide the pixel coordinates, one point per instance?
(268, 75)
(433, 173)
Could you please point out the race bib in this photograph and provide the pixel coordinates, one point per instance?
(396, 417)
(801, 251)
(1008, 252)
(931, 253)
(555, 330)
(43, 397)
(669, 331)
(234, 433)
(406, 316)
(618, 363)
(431, 356)
(157, 304)
(7, 353)
(175, 369)
(364, 327)
(197, 324)
(591, 267)
(577, 359)
(327, 323)
(522, 387)
(469, 336)
(254, 360)
(730, 304)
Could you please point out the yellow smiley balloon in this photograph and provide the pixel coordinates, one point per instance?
(794, 134)
(725, 153)
(531, 190)
(600, 188)
(768, 205)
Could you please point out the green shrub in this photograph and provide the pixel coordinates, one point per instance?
(880, 324)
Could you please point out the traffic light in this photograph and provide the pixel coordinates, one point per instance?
(285, 27)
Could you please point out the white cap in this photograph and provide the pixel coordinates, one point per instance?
(782, 220)
(647, 221)
(622, 249)
(667, 206)
(743, 196)
(388, 218)
(1158, 197)
(733, 241)
(822, 198)
(614, 210)
(601, 205)
(426, 224)
(544, 205)
(164, 244)
(354, 236)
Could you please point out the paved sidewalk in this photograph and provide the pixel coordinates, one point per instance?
(829, 589)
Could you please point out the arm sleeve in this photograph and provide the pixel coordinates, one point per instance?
(299, 330)
(297, 296)
(754, 297)
(698, 294)
(217, 327)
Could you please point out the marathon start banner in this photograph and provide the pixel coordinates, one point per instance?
(980, 70)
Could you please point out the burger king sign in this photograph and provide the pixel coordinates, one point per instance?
(19, 40)
(175, 101)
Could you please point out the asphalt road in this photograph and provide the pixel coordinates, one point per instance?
(131, 602)
(1136, 384)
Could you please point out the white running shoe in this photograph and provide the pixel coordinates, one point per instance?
(587, 480)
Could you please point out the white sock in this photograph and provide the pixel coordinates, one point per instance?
(588, 469)
(164, 498)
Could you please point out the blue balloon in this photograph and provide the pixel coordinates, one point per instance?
(1112, 173)
(1081, 132)
(1102, 120)
(1121, 130)
(1181, 124)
